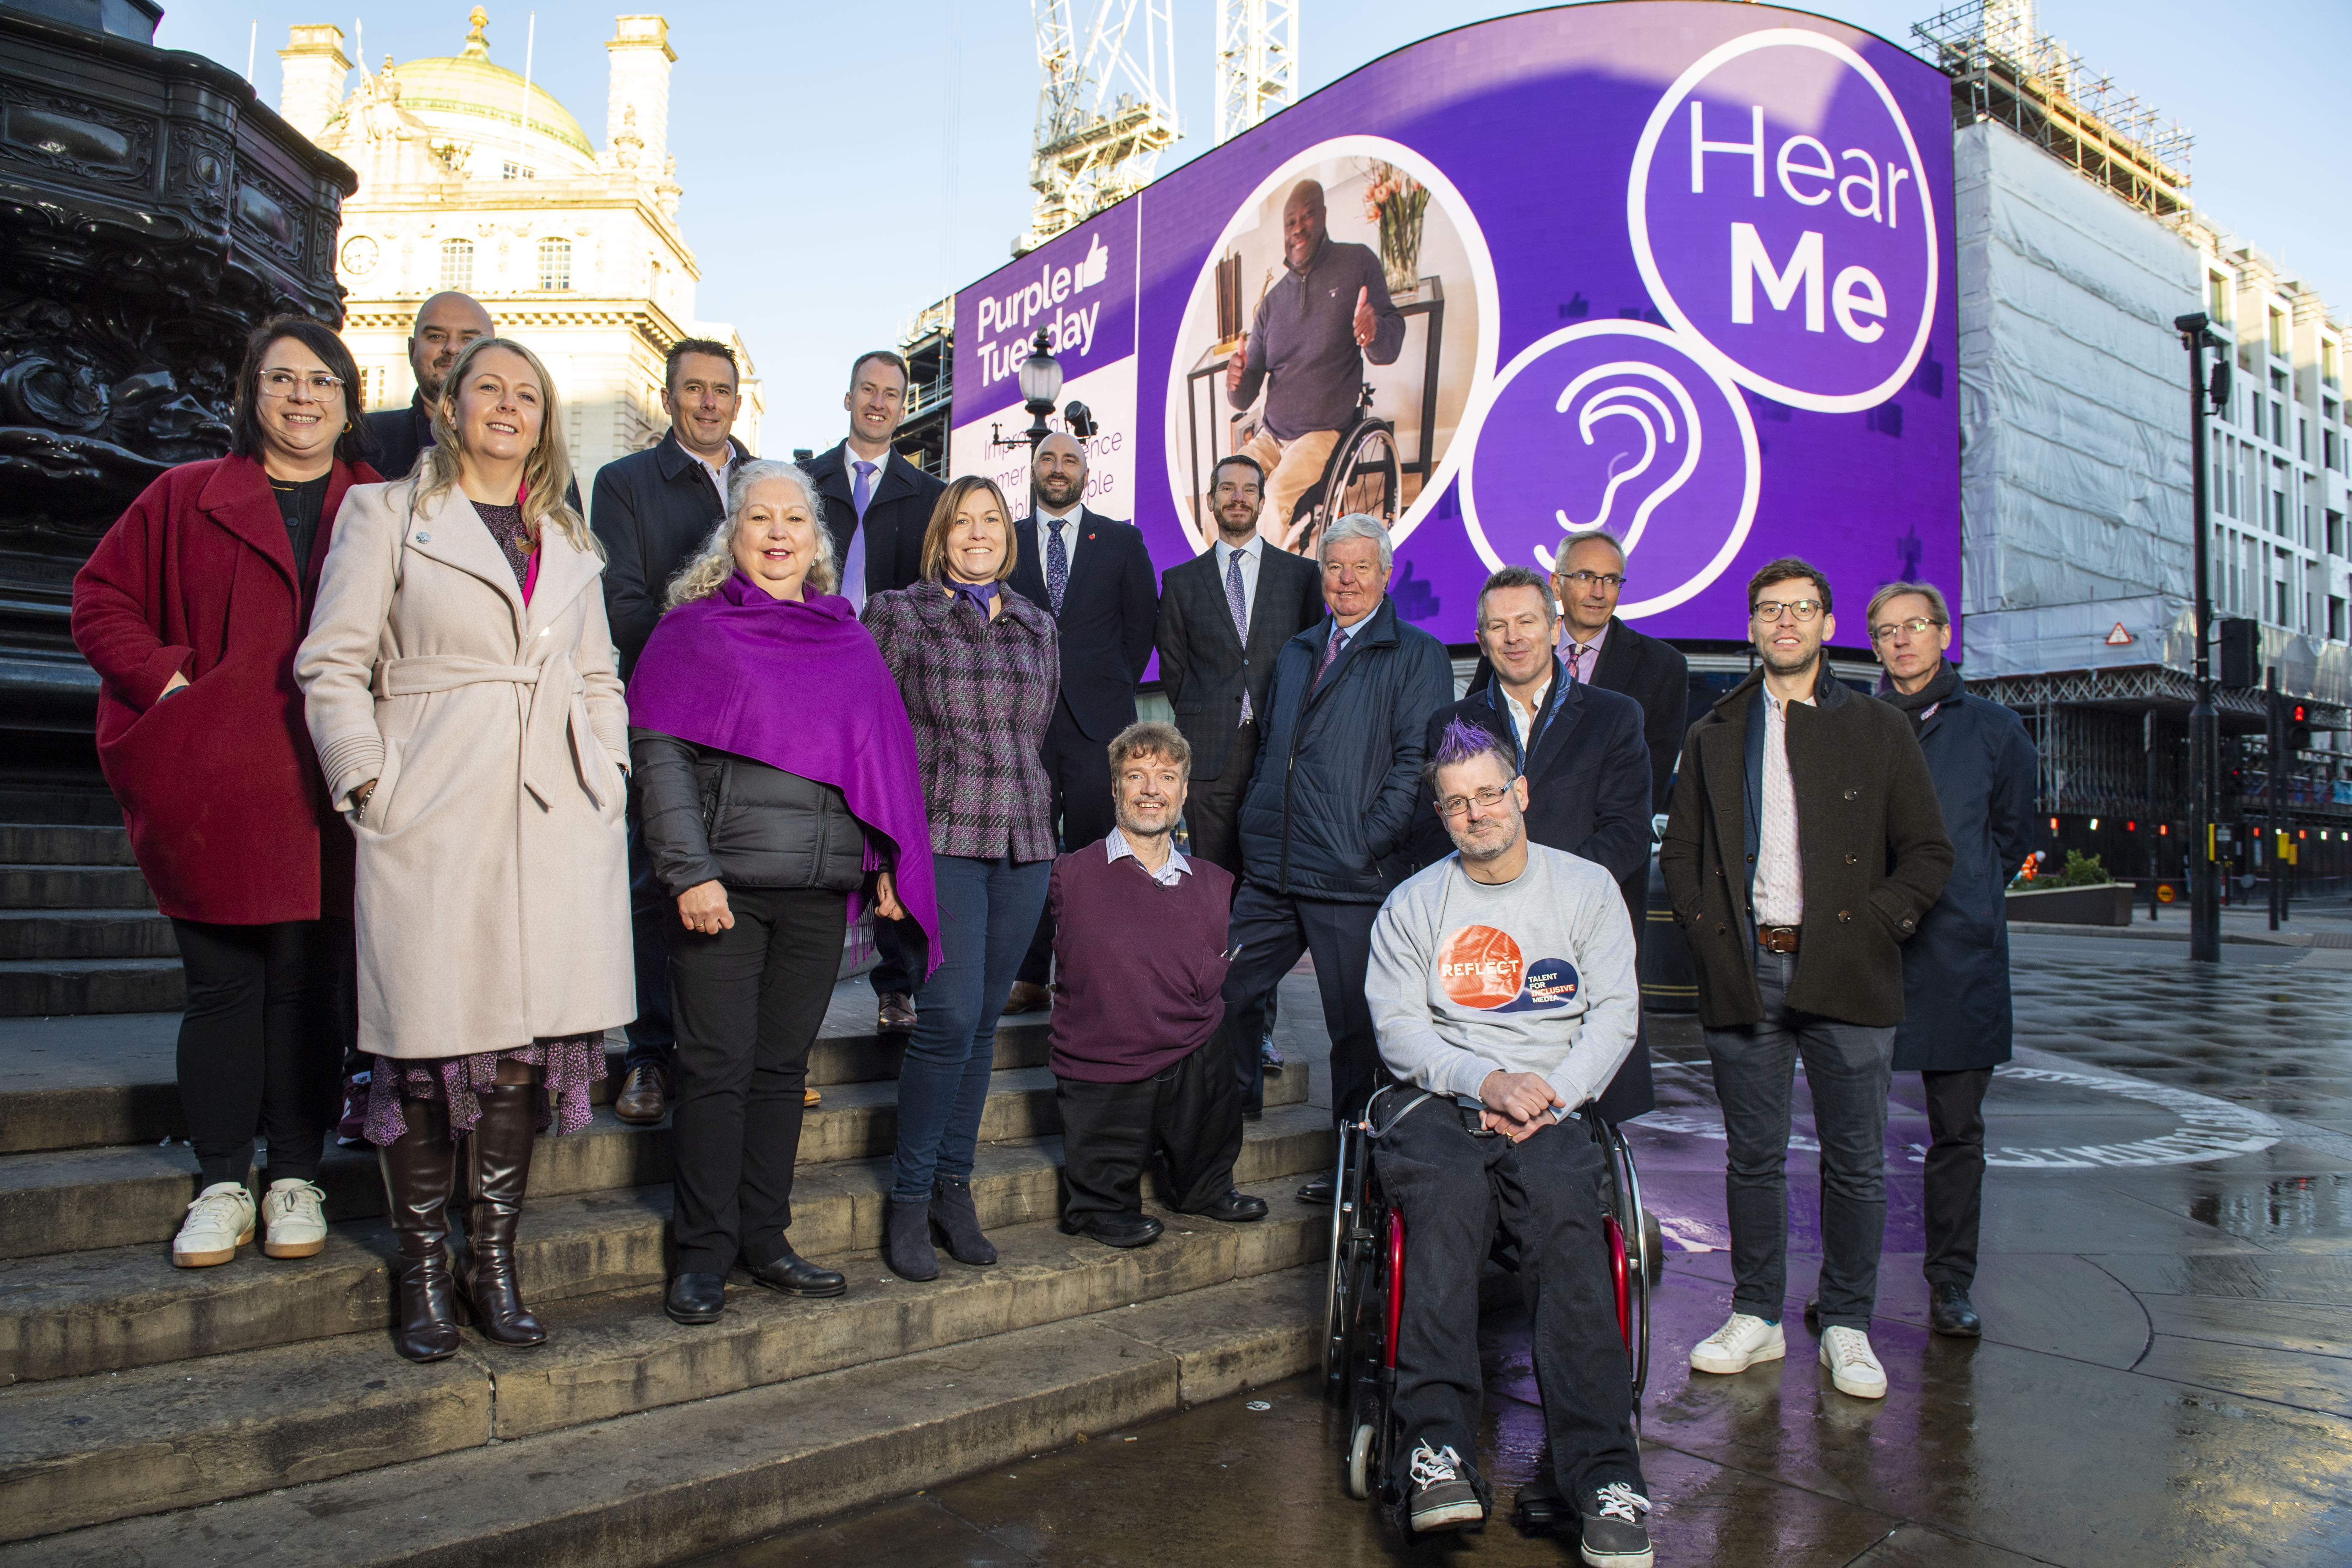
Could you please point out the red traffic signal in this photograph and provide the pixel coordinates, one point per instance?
(2299, 714)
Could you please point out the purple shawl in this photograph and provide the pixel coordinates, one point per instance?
(798, 685)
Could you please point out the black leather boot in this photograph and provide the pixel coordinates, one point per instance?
(959, 1221)
(418, 1171)
(907, 1248)
(497, 1165)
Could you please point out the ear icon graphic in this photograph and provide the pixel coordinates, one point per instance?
(1656, 410)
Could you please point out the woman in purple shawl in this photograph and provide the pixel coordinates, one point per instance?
(780, 789)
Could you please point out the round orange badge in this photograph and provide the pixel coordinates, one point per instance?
(1479, 967)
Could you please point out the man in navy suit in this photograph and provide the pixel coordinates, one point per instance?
(1093, 575)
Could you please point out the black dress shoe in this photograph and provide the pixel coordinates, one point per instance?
(1235, 1207)
(1318, 1191)
(1950, 1313)
(796, 1275)
(695, 1297)
(1116, 1229)
(1539, 1506)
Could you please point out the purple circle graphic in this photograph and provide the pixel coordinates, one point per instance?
(1615, 425)
(1780, 213)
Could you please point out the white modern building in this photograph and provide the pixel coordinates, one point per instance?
(473, 179)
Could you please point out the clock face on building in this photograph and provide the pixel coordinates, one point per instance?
(359, 256)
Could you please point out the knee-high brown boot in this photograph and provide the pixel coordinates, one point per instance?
(418, 1171)
(497, 1165)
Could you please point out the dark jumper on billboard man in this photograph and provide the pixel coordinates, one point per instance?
(1306, 348)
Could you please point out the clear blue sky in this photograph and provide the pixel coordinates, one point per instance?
(847, 164)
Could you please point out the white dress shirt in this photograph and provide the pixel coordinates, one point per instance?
(1780, 885)
(850, 457)
(1066, 525)
(1249, 554)
(1523, 718)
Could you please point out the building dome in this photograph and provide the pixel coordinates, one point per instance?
(458, 85)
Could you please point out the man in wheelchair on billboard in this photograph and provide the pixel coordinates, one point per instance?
(1502, 987)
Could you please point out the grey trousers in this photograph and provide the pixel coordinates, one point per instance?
(1847, 1068)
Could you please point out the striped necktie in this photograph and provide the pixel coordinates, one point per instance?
(1238, 603)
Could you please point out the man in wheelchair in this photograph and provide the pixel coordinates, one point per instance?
(1503, 989)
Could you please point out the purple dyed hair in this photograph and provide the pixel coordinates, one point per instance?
(1462, 741)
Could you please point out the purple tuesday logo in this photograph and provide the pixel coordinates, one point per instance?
(1615, 425)
(1778, 211)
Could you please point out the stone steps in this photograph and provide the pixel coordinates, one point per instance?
(86, 933)
(73, 887)
(80, 932)
(91, 1199)
(62, 987)
(84, 1451)
(63, 844)
(658, 1485)
(78, 1313)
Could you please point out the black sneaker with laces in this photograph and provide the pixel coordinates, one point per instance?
(1613, 1533)
(1441, 1493)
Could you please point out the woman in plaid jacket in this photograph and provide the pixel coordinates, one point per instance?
(978, 667)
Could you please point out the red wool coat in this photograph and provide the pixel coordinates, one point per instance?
(219, 786)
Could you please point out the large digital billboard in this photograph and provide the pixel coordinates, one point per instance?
(1672, 268)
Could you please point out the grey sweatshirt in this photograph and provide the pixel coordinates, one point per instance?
(1304, 337)
(1534, 975)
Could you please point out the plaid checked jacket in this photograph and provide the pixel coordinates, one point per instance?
(979, 693)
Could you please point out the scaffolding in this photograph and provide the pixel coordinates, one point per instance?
(1095, 146)
(1257, 62)
(2003, 70)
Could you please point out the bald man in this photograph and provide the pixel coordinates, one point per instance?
(1310, 340)
(1093, 575)
(445, 325)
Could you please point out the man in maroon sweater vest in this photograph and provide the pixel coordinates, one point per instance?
(1138, 934)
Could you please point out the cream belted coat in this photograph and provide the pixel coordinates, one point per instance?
(493, 889)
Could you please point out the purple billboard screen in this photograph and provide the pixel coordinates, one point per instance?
(1678, 269)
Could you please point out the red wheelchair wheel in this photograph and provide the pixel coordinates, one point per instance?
(1619, 1280)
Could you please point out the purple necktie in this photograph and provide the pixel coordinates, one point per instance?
(1057, 564)
(1238, 603)
(862, 493)
(1330, 655)
(853, 568)
(1576, 652)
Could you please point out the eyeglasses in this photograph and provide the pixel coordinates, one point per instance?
(282, 383)
(1800, 610)
(1916, 626)
(1586, 579)
(1455, 806)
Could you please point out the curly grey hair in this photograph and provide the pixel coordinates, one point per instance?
(710, 565)
(1356, 525)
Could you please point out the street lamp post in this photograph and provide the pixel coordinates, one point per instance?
(1041, 384)
(2204, 725)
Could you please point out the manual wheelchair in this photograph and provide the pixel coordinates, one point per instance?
(1362, 475)
(1362, 1302)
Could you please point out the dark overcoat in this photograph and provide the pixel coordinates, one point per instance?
(1870, 839)
(1955, 1003)
(218, 784)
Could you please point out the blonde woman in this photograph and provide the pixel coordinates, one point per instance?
(460, 688)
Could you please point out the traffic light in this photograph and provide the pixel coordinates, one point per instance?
(2241, 642)
(2298, 729)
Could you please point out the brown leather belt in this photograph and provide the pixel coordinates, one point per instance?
(1776, 938)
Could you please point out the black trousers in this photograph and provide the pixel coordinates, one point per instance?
(1079, 772)
(1110, 1130)
(260, 1045)
(1955, 1172)
(1213, 807)
(1456, 1189)
(748, 1004)
(1272, 930)
(653, 916)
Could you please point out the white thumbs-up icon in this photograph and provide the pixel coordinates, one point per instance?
(1093, 268)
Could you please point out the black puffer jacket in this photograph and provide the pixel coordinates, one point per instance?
(1329, 813)
(712, 816)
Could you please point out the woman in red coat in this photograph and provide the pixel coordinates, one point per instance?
(190, 610)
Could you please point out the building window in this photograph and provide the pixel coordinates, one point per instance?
(555, 263)
(2330, 371)
(2335, 534)
(2327, 449)
(2335, 618)
(2278, 513)
(2278, 333)
(457, 265)
(2303, 438)
(516, 171)
(2217, 299)
(2278, 423)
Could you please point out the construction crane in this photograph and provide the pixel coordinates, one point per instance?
(1106, 107)
(1257, 62)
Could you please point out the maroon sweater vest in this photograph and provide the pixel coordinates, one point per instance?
(1137, 966)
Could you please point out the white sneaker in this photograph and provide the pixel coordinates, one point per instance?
(1738, 1345)
(293, 1218)
(219, 1221)
(1853, 1366)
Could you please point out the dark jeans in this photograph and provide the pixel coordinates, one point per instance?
(1272, 931)
(749, 1004)
(1079, 772)
(987, 910)
(1456, 1189)
(653, 917)
(1213, 807)
(1110, 1130)
(1955, 1172)
(1846, 1072)
(258, 1043)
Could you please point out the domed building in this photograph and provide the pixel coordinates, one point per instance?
(473, 179)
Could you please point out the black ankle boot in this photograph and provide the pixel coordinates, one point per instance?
(419, 1169)
(907, 1248)
(497, 1165)
(959, 1221)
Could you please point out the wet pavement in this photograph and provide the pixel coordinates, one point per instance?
(2165, 1375)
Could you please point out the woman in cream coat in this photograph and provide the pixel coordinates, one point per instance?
(460, 688)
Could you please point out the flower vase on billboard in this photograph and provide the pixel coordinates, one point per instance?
(1676, 269)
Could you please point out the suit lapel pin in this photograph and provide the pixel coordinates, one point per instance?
(423, 538)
